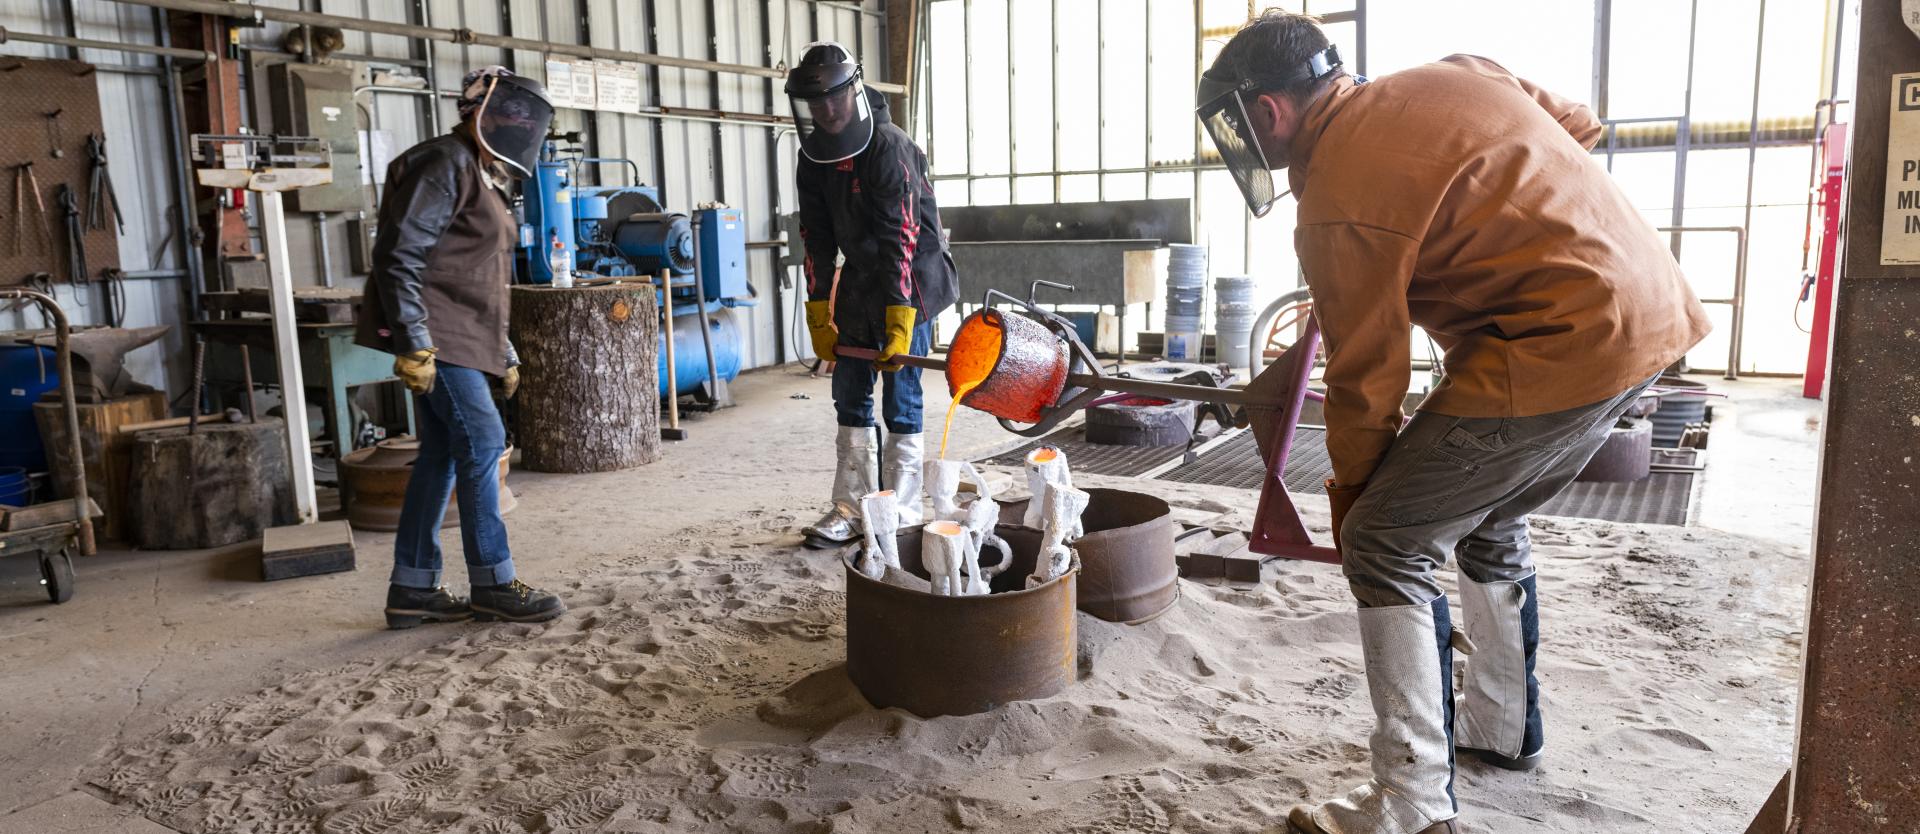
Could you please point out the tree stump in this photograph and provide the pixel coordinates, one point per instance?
(589, 396)
(226, 483)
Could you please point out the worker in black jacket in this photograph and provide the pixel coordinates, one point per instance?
(865, 196)
(437, 300)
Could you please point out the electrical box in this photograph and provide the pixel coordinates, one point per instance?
(722, 234)
(317, 100)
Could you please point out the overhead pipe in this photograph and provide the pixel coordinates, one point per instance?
(84, 43)
(220, 8)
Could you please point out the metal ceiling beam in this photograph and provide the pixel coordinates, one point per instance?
(463, 36)
(83, 43)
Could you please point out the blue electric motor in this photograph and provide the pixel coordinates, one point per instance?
(618, 231)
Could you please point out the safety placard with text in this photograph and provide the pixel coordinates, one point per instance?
(1900, 226)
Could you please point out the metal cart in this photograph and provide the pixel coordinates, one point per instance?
(55, 544)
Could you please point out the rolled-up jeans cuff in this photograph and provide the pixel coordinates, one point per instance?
(498, 573)
(421, 578)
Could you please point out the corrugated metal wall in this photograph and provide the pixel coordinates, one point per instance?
(695, 162)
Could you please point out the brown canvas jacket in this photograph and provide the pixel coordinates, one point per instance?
(1460, 198)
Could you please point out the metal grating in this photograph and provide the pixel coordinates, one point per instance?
(1094, 458)
(1659, 498)
(1236, 463)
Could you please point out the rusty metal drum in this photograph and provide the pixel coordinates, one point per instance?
(1009, 366)
(375, 481)
(1127, 569)
(938, 655)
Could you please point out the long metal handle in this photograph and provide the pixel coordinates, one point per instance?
(1124, 385)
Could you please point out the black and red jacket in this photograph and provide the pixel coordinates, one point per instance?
(877, 210)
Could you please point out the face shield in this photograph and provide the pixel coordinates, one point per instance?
(830, 110)
(512, 122)
(1224, 114)
(1225, 110)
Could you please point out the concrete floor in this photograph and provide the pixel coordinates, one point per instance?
(151, 637)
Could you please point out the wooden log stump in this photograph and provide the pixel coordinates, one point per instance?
(589, 396)
(227, 483)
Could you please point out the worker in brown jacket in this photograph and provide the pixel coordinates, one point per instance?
(437, 300)
(1459, 198)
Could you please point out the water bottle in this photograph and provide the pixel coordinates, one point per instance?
(562, 265)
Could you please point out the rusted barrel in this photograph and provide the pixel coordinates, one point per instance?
(1127, 571)
(376, 485)
(936, 655)
(1018, 365)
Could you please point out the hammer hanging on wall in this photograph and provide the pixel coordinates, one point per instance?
(26, 195)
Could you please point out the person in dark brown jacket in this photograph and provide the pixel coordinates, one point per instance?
(437, 300)
(1462, 199)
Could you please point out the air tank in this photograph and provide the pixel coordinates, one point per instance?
(690, 355)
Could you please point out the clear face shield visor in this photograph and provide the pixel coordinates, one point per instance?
(1224, 115)
(511, 124)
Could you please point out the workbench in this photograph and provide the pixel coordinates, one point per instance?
(331, 364)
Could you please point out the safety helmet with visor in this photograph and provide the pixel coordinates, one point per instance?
(830, 109)
(511, 121)
(1225, 105)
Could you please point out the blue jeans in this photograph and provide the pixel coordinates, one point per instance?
(461, 440)
(900, 401)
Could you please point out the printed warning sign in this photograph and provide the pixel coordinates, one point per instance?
(1900, 225)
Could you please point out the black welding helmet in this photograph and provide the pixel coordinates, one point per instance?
(512, 120)
(1224, 108)
(830, 108)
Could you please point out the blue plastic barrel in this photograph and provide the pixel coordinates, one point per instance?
(15, 489)
(21, 384)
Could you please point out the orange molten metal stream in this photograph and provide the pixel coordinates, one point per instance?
(965, 389)
(969, 361)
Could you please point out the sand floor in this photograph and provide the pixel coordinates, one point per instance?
(698, 684)
(705, 691)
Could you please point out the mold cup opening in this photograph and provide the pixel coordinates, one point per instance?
(1043, 455)
(944, 528)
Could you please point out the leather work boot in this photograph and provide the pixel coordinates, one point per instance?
(515, 602)
(409, 607)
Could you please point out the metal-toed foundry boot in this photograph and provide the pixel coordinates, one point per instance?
(1499, 721)
(853, 477)
(904, 464)
(1409, 656)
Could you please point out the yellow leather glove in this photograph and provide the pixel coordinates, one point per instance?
(416, 369)
(510, 383)
(899, 337)
(820, 324)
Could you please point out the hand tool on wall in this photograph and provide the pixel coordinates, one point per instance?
(56, 139)
(77, 274)
(100, 184)
(27, 200)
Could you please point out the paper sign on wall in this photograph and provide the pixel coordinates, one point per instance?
(560, 82)
(584, 96)
(619, 86)
(1900, 222)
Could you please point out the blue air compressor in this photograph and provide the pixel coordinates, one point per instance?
(623, 231)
